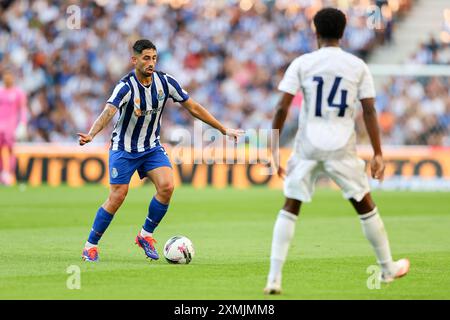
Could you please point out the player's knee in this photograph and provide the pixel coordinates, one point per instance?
(292, 206)
(166, 190)
(365, 205)
(118, 196)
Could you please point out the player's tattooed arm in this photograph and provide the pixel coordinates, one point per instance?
(105, 117)
(370, 120)
(281, 113)
(199, 112)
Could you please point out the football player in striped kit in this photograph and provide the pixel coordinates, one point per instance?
(140, 98)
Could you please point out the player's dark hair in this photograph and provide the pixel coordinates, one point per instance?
(330, 23)
(143, 44)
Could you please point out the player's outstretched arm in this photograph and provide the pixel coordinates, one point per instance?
(199, 112)
(370, 119)
(281, 113)
(105, 117)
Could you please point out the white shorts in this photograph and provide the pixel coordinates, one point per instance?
(348, 173)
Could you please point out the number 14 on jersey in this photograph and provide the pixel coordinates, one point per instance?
(343, 103)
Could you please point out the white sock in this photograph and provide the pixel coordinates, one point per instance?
(373, 229)
(89, 245)
(146, 233)
(283, 233)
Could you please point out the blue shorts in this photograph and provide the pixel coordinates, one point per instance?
(123, 164)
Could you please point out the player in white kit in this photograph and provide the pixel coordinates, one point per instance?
(332, 82)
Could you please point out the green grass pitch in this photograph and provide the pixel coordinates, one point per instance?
(42, 232)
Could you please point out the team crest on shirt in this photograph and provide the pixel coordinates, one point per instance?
(161, 95)
(114, 173)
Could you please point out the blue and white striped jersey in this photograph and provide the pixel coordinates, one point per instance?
(134, 133)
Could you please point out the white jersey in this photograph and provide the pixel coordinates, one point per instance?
(332, 82)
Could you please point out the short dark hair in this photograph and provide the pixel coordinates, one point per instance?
(143, 44)
(330, 23)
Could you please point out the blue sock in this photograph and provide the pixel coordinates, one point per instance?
(156, 211)
(101, 222)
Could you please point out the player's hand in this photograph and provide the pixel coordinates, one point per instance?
(377, 167)
(281, 172)
(84, 138)
(234, 133)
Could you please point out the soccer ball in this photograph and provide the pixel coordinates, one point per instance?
(179, 250)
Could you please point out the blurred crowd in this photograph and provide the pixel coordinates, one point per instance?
(228, 54)
(416, 110)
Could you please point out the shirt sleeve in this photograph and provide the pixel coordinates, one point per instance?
(366, 88)
(121, 94)
(177, 93)
(291, 80)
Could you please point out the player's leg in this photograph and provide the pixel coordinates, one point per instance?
(283, 232)
(298, 187)
(106, 212)
(159, 170)
(373, 229)
(121, 169)
(162, 178)
(7, 159)
(3, 159)
(375, 232)
(103, 218)
(12, 164)
(351, 177)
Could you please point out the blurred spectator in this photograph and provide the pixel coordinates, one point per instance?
(416, 110)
